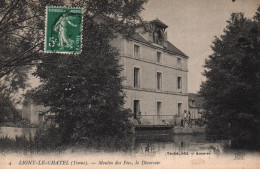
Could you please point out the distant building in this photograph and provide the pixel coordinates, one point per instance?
(33, 113)
(155, 74)
(195, 105)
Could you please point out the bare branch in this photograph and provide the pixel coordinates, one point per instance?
(9, 11)
(20, 57)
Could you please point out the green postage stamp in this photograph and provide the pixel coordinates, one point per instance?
(63, 30)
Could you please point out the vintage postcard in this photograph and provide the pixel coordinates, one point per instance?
(159, 84)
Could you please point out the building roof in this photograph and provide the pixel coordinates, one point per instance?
(170, 46)
(138, 37)
(199, 101)
(158, 22)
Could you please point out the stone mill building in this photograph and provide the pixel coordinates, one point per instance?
(155, 73)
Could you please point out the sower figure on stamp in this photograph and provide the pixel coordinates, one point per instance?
(61, 27)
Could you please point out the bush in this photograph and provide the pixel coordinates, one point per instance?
(51, 141)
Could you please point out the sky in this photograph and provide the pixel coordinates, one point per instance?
(192, 26)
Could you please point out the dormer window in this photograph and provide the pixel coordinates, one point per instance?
(158, 36)
(158, 31)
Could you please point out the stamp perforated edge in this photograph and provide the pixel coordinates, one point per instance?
(45, 30)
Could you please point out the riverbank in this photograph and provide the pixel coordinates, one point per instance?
(13, 132)
(147, 143)
(189, 130)
(20, 124)
(173, 130)
(48, 142)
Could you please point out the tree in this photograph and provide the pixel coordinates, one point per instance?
(232, 87)
(21, 33)
(8, 111)
(85, 90)
(21, 38)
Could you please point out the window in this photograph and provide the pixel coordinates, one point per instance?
(159, 81)
(192, 103)
(179, 83)
(136, 77)
(159, 108)
(179, 108)
(158, 35)
(159, 54)
(193, 115)
(136, 51)
(179, 65)
(136, 108)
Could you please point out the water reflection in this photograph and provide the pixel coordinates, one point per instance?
(151, 143)
(178, 145)
(12, 132)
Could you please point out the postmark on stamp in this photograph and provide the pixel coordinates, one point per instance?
(63, 30)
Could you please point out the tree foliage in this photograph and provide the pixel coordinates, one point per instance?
(21, 32)
(232, 88)
(8, 111)
(85, 90)
(21, 38)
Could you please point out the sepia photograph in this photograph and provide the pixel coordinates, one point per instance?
(167, 84)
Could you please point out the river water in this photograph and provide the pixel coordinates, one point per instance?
(178, 144)
(166, 150)
(149, 143)
(12, 132)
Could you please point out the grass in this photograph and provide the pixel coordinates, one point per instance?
(51, 142)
